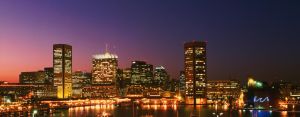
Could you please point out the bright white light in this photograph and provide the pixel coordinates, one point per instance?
(35, 111)
(160, 67)
(105, 56)
(8, 101)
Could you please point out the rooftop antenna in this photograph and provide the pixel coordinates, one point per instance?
(106, 46)
(114, 49)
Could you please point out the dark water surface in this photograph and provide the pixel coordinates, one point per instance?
(166, 111)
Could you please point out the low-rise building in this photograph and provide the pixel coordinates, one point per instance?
(37, 77)
(223, 90)
(80, 79)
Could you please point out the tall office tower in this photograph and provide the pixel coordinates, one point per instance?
(48, 75)
(141, 73)
(62, 65)
(195, 72)
(160, 76)
(104, 68)
(104, 73)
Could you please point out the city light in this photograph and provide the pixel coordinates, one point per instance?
(139, 59)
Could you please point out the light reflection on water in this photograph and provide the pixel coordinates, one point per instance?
(166, 111)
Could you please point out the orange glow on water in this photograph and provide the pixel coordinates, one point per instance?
(284, 114)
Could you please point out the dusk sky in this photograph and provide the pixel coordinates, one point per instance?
(259, 38)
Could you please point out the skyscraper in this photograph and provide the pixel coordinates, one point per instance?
(104, 68)
(195, 72)
(62, 65)
(160, 76)
(141, 73)
(104, 74)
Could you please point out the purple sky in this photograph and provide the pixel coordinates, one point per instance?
(250, 37)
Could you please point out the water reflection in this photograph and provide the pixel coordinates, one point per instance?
(166, 111)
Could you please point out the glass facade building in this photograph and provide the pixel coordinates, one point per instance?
(160, 76)
(104, 69)
(141, 73)
(104, 72)
(62, 65)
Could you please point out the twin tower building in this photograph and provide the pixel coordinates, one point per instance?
(104, 71)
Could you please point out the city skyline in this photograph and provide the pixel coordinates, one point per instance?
(149, 58)
(249, 42)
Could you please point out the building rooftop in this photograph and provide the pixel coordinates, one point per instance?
(106, 55)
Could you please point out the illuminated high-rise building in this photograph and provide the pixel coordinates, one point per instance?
(195, 66)
(141, 73)
(160, 76)
(62, 65)
(104, 74)
(141, 79)
(104, 68)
